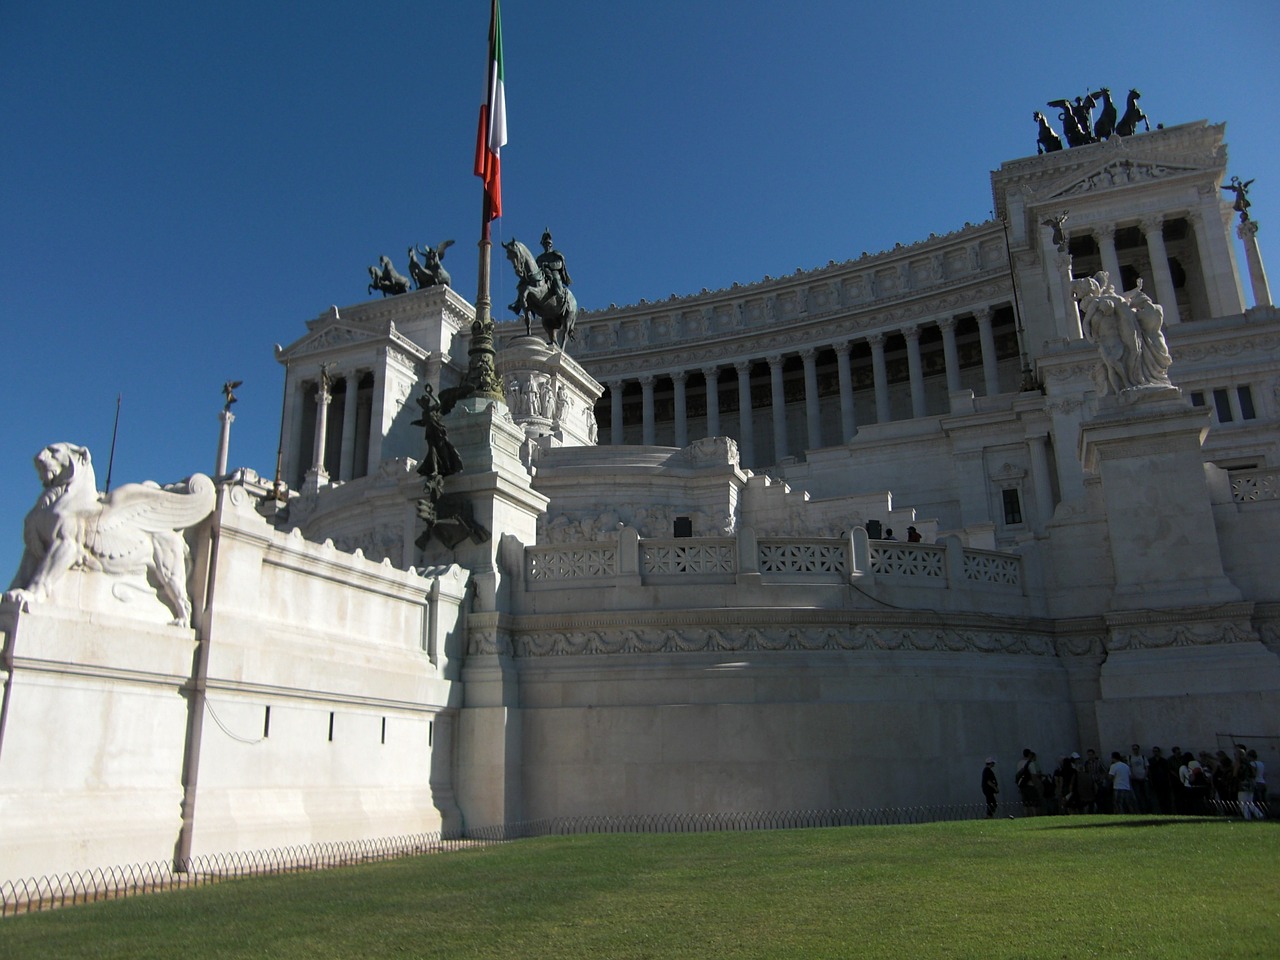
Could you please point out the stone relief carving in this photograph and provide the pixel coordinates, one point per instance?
(663, 639)
(135, 529)
(1157, 636)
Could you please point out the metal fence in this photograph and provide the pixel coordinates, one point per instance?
(110, 883)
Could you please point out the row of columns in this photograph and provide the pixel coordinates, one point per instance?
(354, 415)
(1153, 229)
(813, 414)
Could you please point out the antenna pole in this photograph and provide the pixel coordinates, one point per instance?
(115, 429)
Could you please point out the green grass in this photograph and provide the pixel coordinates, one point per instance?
(1044, 888)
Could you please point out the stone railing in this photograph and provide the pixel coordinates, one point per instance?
(632, 561)
(1248, 486)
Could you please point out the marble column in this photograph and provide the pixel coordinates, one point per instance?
(1153, 228)
(1247, 231)
(990, 372)
(915, 369)
(813, 413)
(377, 411)
(681, 411)
(747, 440)
(648, 431)
(778, 402)
(1105, 235)
(848, 419)
(1041, 484)
(712, 377)
(881, 375)
(346, 463)
(615, 412)
(950, 354)
(317, 475)
(226, 418)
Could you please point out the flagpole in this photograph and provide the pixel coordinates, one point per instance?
(481, 379)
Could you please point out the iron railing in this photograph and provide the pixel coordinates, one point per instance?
(110, 883)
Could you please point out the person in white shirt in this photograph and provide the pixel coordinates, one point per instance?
(1121, 789)
(1138, 779)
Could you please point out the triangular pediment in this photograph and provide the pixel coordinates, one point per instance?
(330, 337)
(1117, 172)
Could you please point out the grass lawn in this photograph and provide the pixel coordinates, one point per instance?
(1042, 889)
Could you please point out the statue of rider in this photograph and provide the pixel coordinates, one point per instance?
(551, 262)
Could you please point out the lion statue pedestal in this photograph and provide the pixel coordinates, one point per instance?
(130, 540)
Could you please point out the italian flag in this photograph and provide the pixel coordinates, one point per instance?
(492, 135)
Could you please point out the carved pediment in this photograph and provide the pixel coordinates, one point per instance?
(1119, 172)
(336, 335)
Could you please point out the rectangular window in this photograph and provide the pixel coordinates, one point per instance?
(1012, 507)
(1245, 396)
(431, 732)
(1222, 404)
(1197, 398)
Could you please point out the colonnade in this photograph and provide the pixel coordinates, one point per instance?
(783, 443)
(358, 446)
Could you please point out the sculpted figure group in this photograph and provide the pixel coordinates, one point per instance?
(1078, 125)
(422, 274)
(1127, 329)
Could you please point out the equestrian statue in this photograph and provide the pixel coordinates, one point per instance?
(543, 289)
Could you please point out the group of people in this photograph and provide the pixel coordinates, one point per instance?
(1180, 782)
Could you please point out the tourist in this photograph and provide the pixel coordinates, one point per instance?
(1259, 782)
(1027, 779)
(1160, 781)
(1245, 777)
(1138, 779)
(888, 533)
(990, 786)
(913, 535)
(1096, 771)
(1066, 778)
(1121, 785)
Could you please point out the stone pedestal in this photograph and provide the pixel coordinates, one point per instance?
(548, 394)
(497, 486)
(1145, 448)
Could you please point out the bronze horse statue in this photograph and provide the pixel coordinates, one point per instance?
(432, 273)
(1128, 124)
(553, 303)
(1047, 141)
(387, 279)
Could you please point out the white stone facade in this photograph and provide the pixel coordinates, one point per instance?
(680, 597)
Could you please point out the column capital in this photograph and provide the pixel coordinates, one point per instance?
(876, 340)
(843, 348)
(1247, 229)
(742, 366)
(946, 324)
(808, 355)
(983, 314)
(1153, 224)
(679, 376)
(911, 331)
(647, 381)
(774, 361)
(1104, 231)
(711, 373)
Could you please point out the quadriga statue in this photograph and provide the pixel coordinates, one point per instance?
(134, 529)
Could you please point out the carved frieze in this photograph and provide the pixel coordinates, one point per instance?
(666, 639)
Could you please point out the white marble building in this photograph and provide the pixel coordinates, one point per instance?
(687, 601)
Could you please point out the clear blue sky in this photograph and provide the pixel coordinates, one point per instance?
(183, 185)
